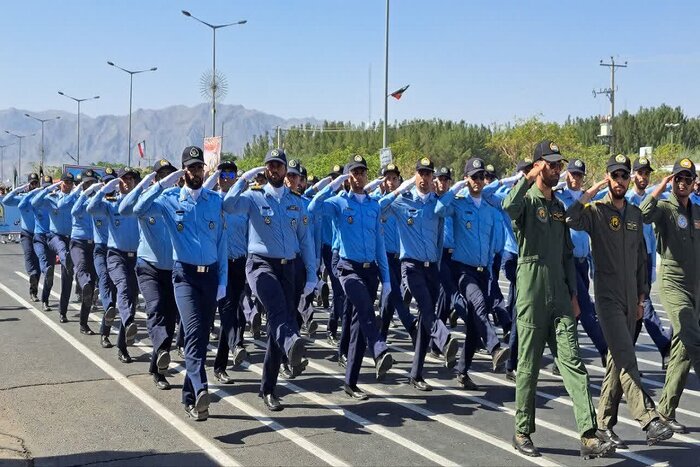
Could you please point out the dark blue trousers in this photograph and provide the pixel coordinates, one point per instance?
(159, 296)
(496, 303)
(360, 282)
(658, 334)
(59, 244)
(449, 296)
(121, 266)
(195, 295)
(395, 302)
(299, 283)
(231, 313)
(108, 293)
(31, 261)
(345, 311)
(336, 311)
(272, 281)
(424, 283)
(588, 317)
(47, 260)
(81, 253)
(510, 265)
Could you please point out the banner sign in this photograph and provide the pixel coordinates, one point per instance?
(9, 219)
(385, 156)
(212, 152)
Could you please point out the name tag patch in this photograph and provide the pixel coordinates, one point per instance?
(696, 224)
(632, 226)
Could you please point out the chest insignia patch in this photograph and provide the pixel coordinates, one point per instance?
(211, 225)
(268, 220)
(682, 221)
(541, 214)
(180, 227)
(615, 223)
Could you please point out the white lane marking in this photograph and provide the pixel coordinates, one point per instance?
(176, 422)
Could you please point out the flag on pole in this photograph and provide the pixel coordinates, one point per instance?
(397, 94)
(142, 148)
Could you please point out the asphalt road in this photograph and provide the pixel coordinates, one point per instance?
(66, 401)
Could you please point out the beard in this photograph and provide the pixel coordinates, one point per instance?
(275, 182)
(193, 183)
(551, 181)
(614, 195)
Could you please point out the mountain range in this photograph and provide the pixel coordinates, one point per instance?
(104, 138)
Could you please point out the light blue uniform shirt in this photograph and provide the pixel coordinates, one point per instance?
(123, 231)
(420, 228)
(41, 220)
(26, 213)
(196, 227)
(474, 228)
(60, 219)
(391, 231)
(359, 227)
(649, 238)
(100, 231)
(155, 246)
(695, 198)
(276, 228)
(82, 221)
(494, 194)
(323, 223)
(580, 239)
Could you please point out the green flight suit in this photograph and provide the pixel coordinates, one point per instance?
(545, 283)
(620, 257)
(677, 231)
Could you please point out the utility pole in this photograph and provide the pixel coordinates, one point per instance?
(386, 77)
(610, 92)
(279, 137)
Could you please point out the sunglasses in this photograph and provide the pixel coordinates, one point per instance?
(621, 175)
(479, 177)
(683, 178)
(555, 165)
(226, 175)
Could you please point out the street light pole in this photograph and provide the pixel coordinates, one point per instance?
(213, 27)
(42, 121)
(2, 161)
(671, 127)
(386, 77)
(131, 94)
(19, 156)
(78, 101)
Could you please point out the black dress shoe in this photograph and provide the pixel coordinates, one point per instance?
(105, 343)
(450, 352)
(34, 297)
(296, 352)
(312, 327)
(45, 306)
(160, 382)
(239, 354)
(286, 371)
(420, 384)
(453, 319)
(63, 318)
(272, 402)
(523, 444)
(674, 425)
(255, 326)
(665, 357)
(499, 356)
(466, 382)
(223, 377)
(510, 375)
(181, 353)
(657, 431)
(343, 361)
(202, 402)
(382, 365)
(435, 355)
(609, 435)
(299, 369)
(332, 340)
(355, 392)
(130, 333)
(124, 356)
(163, 361)
(555, 370)
(192, 412)
(85, 329)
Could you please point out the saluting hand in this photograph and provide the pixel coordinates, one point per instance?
(211, 180)
(405, 186)
(371, 186)
(338, 182)
(172, 179)
(252, 173)
(147, 179)
(54, 186)
(536, 169)
(457, 187)
(93, 188)
(319, 185)
(111, 185)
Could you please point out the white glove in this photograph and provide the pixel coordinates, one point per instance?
(220, 292)
(509, 181)
(252, 173)
(93, 188)
(386, 290)
(172, 179)
(458, 186)
(19, 188)
(406, 185)
(110, 186)
(560, 186)
(371, 186)
(210, 182)
(338, 182)
(308, 288)
(322, 183)
(147, 179)
(54, 186)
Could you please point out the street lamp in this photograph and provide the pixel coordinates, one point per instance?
(386, 77)
(78, 101)
(671, 127)
(131, 94)
(2, 161)
(213, 27)
(42, 121)
(19, 154)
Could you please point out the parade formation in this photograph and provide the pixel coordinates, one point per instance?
(265, 248)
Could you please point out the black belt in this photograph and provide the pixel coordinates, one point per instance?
(425, 264)
(359, 264)
(273, 260)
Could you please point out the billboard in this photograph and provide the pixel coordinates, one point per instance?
(212, 152)
(9, 219)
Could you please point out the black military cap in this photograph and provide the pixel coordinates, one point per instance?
(335, 171)
(642, 163)
(391, 167)
(490, 170)
(619, 162)
(314, 180)
(303, 171)
(473, 166)
(162, 164)
(109, 175)
(124, 171)
(576, 166)
(88, 175)
(444, 172)
(684, 165)
(46, 181)
(228, 166)
(192, 155)
(33, 177)
(276, 155)
(355, 162)
(67, 177)
(293, 167)
(425, 164)
(524, 165)
(547, 150)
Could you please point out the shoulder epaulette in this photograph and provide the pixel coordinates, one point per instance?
(295, 193)
(460, 196)
(256, 188)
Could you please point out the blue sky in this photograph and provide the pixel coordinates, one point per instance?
(481, 61)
